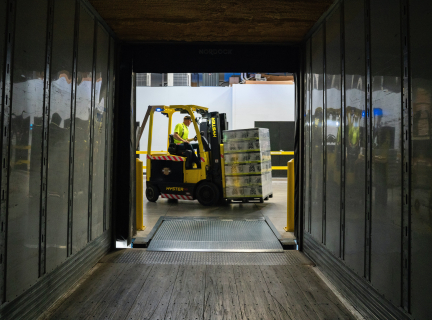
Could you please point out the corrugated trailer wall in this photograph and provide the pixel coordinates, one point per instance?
(420, 39)
(57, 80)
(368, 191)
(317, 129)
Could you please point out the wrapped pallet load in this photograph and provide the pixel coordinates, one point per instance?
(247, 164)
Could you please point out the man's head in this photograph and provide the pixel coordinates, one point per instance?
(187, 120)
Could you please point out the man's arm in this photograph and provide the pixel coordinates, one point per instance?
(177, 137)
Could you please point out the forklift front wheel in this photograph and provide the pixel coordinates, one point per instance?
(152, 193)
(207, 194)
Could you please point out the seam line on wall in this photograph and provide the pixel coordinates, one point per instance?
(324, 129)
(107, 117)
(44, 139)
(5, 139)
(93, 92)
(406, 163)
(72, 131)
(310, 137)
(368, 189)
(343, 127)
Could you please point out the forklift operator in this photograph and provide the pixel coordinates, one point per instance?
(181, 133)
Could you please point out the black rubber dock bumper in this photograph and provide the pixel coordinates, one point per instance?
(288, 244)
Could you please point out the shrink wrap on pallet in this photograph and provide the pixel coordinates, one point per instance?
(249, 191)
(247, 168)
(247, 157)
(251, 180)
(246, 134)
(247, 163)
(246, 146)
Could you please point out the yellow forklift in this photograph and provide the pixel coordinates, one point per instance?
(170, 176)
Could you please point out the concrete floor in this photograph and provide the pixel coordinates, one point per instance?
(274, 209)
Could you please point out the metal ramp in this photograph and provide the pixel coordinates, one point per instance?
(215, 235)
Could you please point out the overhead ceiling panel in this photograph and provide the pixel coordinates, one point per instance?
(221, 21)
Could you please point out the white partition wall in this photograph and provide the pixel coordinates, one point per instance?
(243, 104)
(261, 102)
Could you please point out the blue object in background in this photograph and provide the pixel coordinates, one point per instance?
(377, 112)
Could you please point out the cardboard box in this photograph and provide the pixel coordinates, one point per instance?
(234, 80)
(247, 161)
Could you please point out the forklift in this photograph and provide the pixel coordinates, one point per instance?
(168, 173)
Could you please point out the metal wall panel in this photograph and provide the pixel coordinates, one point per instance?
(59, 133)
(99, 122)
(355, 138)
(37, 92)
(109, 151)
(45, 129)
(26, 141)
(4, 45)
(406, 159)
(333, 130)
(387, 194)
(82, 131)
(307, 135)
(317, 134)
(3, 5)
(421, 169)
(386, 148)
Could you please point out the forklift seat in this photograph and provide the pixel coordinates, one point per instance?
(172, 149)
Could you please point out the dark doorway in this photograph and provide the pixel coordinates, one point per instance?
(179, 57)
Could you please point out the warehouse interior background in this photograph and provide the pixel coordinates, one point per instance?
(244, 104)
(362, 140)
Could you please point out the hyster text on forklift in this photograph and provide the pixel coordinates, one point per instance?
(170, 175)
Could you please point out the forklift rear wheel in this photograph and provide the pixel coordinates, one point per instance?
(207, 194)
(152, 193)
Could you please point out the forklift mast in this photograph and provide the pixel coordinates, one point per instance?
(213, 128)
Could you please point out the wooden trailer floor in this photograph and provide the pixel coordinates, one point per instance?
(139, 284)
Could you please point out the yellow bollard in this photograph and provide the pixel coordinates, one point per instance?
(290, 197)
(139, 196)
